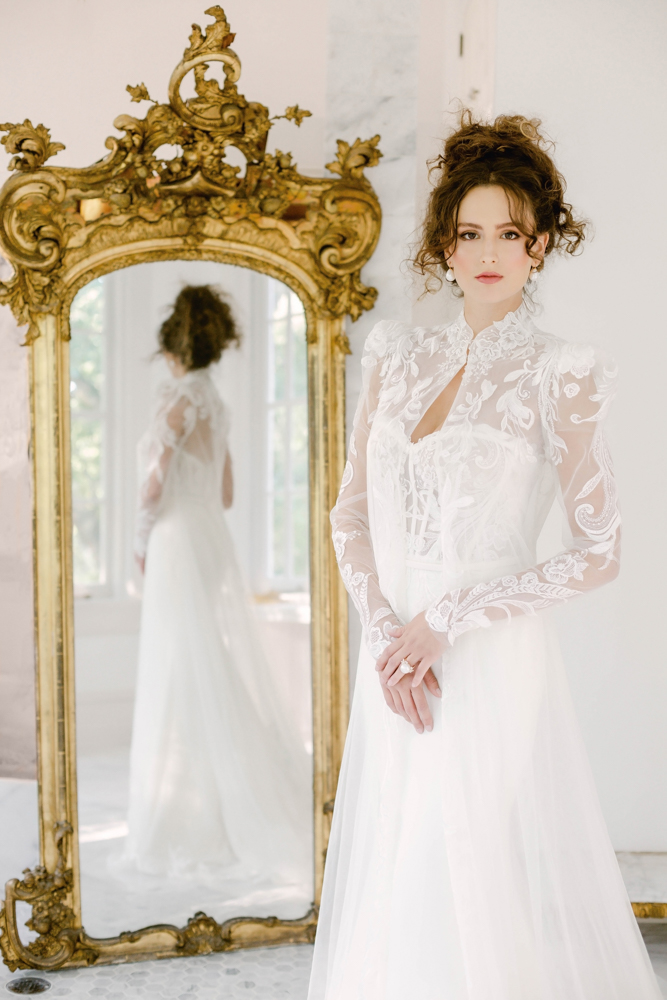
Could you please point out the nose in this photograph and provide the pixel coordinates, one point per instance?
(489, 254)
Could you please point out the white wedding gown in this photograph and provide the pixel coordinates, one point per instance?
(472, 862)
(219, 782)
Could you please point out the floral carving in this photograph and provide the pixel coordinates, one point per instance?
(351, 161)
(59, 940)
(52, 218)
(32, 145)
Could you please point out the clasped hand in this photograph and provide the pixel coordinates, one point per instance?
(405, 694)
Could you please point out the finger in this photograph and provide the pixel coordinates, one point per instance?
(411, 709)
(431, 683)
(421, 669)
(398, 703)
(389, 700)
(400, 710)
(398, 674)
(385, 656)
(421, 705)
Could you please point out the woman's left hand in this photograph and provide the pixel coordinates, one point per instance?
(416, 643)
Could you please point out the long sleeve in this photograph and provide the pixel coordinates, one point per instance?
(349, 519)
(172, 421)
(577, 394)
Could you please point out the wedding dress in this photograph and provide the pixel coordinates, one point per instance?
(472, 862)
(219, 781)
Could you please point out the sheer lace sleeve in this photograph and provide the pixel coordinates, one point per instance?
(349, 518)
(173, 420)
(577, 394)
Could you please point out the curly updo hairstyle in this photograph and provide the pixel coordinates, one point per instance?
(201, 326)
(512, 153)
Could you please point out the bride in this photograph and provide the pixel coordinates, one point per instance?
(218, 779)
(469, 858)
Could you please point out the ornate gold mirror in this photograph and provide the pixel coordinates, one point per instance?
(177, 776)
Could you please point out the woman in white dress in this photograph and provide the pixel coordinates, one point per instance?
(469, 859)
(219, 781)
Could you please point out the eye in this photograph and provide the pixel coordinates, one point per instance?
(511, 234)
(469, 235)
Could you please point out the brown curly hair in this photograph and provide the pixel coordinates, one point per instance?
(201, 326)
(513, 153)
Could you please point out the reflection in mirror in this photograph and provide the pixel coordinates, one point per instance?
(194, 729)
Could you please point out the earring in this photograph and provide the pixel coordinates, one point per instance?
(449, 275)
(533, 277)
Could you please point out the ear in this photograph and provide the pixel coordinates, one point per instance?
(541, 244)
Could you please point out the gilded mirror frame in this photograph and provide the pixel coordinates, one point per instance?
(60, 228)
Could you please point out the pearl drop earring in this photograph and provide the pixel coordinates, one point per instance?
(533, 277)
(449, 275)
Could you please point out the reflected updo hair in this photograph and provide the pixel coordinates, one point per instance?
(513, 153)
(201, 326)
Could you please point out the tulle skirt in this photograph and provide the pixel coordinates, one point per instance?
(473, 862)
(219, 780)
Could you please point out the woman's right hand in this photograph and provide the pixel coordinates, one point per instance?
(411, 703)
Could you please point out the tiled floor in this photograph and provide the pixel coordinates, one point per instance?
(265, 974)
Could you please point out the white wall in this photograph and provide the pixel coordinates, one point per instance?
(595, 73)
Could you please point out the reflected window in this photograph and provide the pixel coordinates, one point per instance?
(288, 441)
(87, 399)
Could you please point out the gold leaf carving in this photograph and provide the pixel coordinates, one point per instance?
(33, 145)
(195, 193)
(139, 93)
(294, 114)
(217, 37)
(58, 938)
(351, 161)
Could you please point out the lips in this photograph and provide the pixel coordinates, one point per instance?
(488, 277)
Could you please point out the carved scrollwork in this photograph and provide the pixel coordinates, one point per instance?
(58, 940)
(52, 218)
(32, 146)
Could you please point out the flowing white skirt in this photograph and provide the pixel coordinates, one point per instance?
(219, 781)
(473, 862)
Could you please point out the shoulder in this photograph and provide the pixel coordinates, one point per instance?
(579, 379)
(384, 337)
(391, 338)
(580, 359)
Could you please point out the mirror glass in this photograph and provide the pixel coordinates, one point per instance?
(193, 679)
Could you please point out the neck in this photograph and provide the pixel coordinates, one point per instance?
(480, 315)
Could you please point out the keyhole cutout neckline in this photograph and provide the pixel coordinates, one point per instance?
(510, 317)
(458, 377)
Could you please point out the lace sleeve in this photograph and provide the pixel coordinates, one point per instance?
(577, 395)
(349, 518)
(173, 419)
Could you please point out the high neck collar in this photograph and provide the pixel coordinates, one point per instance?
(513, 319)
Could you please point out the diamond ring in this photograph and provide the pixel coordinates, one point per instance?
(405, 667)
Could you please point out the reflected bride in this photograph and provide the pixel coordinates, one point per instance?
(219, 780)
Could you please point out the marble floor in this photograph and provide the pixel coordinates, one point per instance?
(264, 974)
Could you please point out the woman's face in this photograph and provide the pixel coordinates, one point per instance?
(490, 261)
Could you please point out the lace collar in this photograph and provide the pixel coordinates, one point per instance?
(509, 335)
(515, 323)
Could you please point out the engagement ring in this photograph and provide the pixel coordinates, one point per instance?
(405, 667)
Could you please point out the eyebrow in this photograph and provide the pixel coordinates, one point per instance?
(473, 225)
